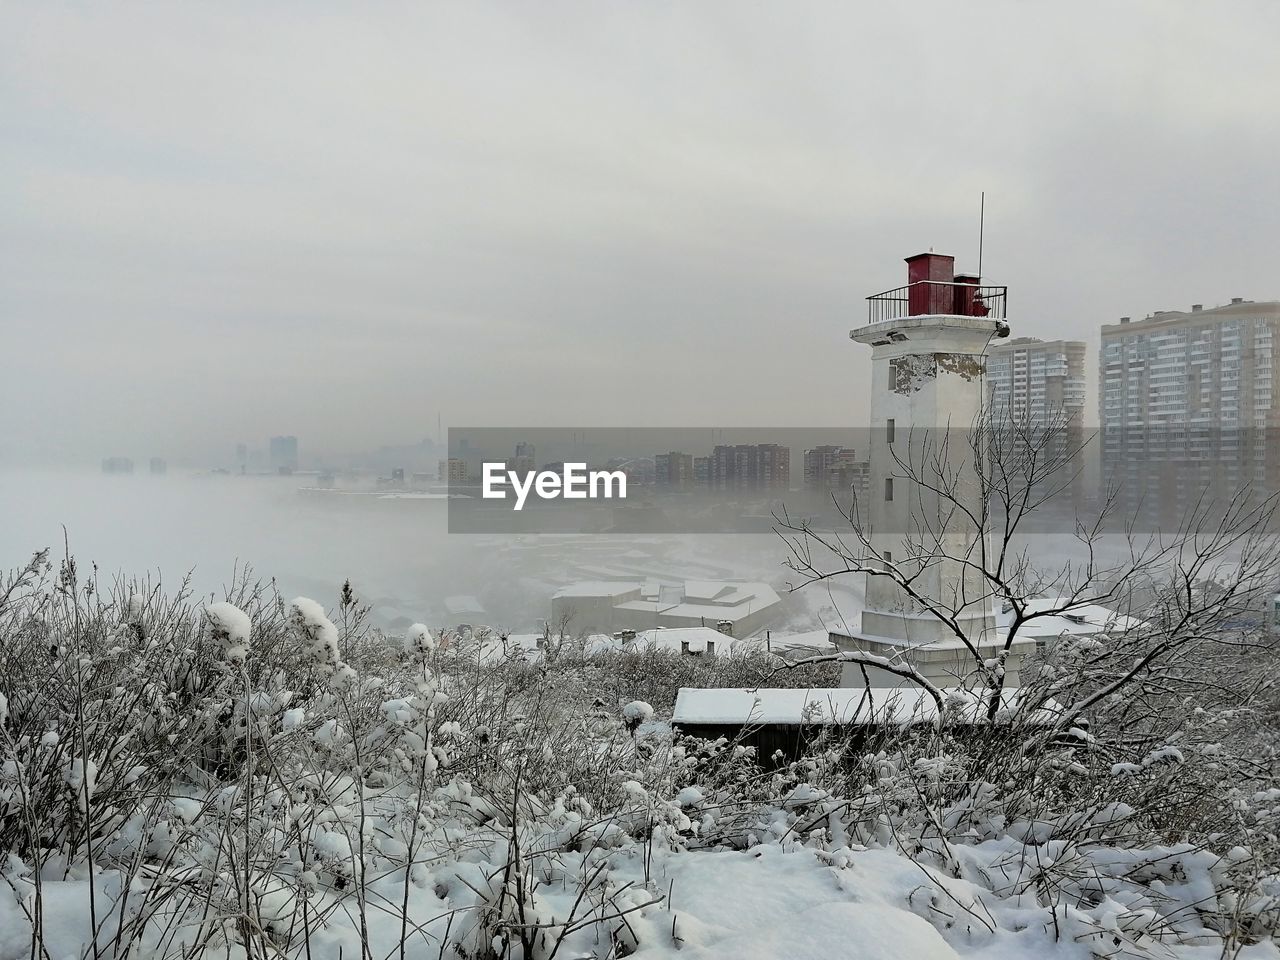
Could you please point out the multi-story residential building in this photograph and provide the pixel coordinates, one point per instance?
(702, 472)
(1188, 404)
(1037, 382)
(453, 470)
(852, 475)
(818, 462)
(1036, 388)
(745, 466)
(831, 468)
(673, 470)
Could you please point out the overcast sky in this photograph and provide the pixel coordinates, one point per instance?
(219, 223)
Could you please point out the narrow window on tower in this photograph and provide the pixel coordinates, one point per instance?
(888, 488)
(888, 430)
(888, 559)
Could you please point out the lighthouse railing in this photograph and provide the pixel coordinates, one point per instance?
(938, 297)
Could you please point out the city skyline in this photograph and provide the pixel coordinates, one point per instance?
(1076, 372)
(296, 247)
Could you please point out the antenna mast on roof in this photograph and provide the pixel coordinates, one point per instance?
(982, 216)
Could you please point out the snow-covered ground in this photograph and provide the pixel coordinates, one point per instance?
(787, 896)
(262, 777)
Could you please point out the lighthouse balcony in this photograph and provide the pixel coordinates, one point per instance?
(955, 298)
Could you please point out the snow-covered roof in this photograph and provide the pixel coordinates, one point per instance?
(707, 589)
(811, 643)
(600, 643)
(644, 606)
(731, 601)
(729, 593)
(718, 611)
(1075, 619)
(741, 706)
(598, 588)
(675, 638)
(709, 599)
(817, 639)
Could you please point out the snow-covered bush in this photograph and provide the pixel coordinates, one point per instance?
(225, 624)
(229, 797)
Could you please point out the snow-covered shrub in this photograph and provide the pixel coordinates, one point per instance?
(319, 635)
(275, 802)
(635, 713)
(229, 626)
(419, 641)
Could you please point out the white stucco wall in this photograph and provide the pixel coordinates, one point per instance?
(928, 376)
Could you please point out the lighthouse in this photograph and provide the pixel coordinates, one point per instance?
(928, 343)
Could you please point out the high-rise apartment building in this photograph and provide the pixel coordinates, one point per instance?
(673, 470)
(702, 472)
(1188, 403)
(1036, 389)
(1039, 383)
(745, 466)
(830, 467)
(817, 464)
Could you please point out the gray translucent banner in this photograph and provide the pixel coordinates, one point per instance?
(664, 480)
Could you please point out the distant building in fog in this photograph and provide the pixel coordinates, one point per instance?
(117, 465)
(395, 480)
(852, 475)
(283, 453)
(453, 470)
(1189, 401)
(702, 472)
(158, 466)
(826, 467)
(525, 461)
(673, 470)
(744, 466)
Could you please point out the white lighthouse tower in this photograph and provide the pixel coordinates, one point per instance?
(928, 392)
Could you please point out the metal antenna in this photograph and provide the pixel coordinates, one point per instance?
(982, 217)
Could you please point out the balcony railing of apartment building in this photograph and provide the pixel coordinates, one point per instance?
(937, 297)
